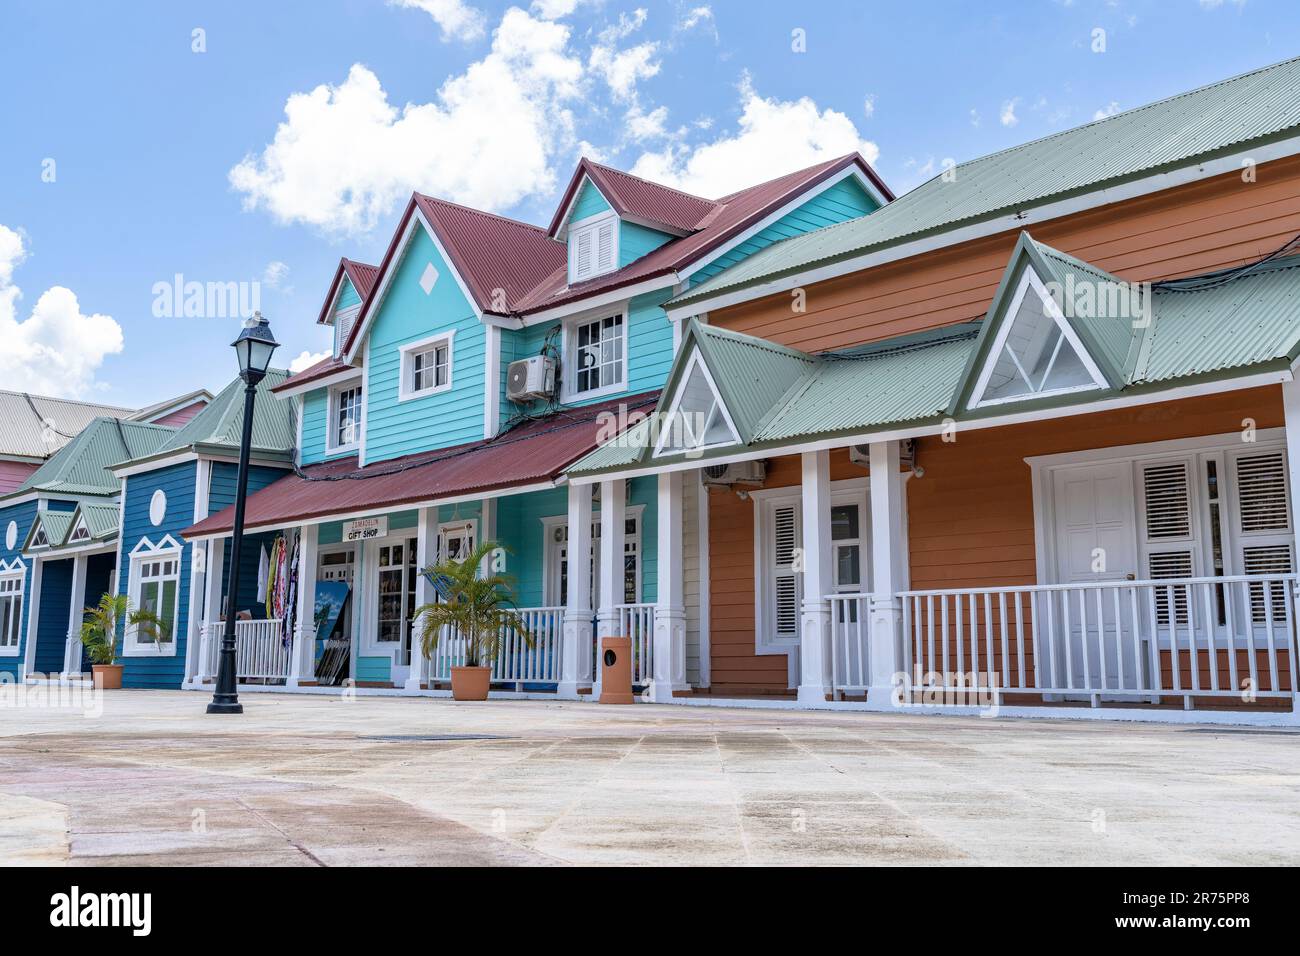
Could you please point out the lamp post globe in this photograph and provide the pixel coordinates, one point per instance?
(253, 347)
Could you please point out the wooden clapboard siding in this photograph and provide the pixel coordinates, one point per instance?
(735, 666)
(1191, 229)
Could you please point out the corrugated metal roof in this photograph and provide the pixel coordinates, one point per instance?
(1174, 132)
(220, 425)
(81, 467)
(362, 274)
(34, 426)
(753, 374)
(322, 369)
(1226, 323)
(101, 520)
(636, 197)
(533, 452)
(56, 525)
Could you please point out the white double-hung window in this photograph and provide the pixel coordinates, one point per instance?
(155, 587)
(345, 417)
(425, 367)
(11, 612)
(597, 357)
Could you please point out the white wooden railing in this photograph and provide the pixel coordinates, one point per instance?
(260, 653)
(637, 621)
(850, 643)
(1224, 637)
(516, 662)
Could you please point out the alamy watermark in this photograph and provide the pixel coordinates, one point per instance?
(181, 298)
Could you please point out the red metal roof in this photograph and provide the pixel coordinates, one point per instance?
(730, 216)
(362, 276)
(632, 196)
(322, 369)
(536, 451)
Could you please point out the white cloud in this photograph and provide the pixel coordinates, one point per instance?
(774, 137)
(1215, 4)
(701, 17)
(56, 349)
(306, 360)
(508, 115)
(869, 105)
(556, 9)
(456, 19)
(1110, 110)
(643, 126)
(975, 117)
(1008, 115)
(275, 273)
(622, 70)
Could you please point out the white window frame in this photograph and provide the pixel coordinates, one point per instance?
(39, 533)
(80, 528)
(590, 226)
(848, 491)
(8, 578)
(667, 425)
(332, 412)
(166, 550)
(994, 355)
(569, 348)
(406, 389)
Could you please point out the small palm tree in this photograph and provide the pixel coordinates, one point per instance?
(99, 630)
(474, 606)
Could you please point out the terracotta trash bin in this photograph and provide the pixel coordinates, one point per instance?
(616, 670)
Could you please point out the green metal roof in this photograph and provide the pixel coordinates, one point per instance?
(56, 525)
(1221, 118)
(1220, 325)
(218, 428)
(81, 466)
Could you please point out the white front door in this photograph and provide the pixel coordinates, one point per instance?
(1096, 541)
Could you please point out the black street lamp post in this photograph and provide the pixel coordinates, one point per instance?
(254, 347)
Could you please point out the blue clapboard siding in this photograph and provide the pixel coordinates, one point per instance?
(374, 670)
(590, 202)
(147, 668)
(347, 296)
(635, 241)
(21, 515)
(408, 314)
(225, 475)
(52, 623)
(841, 202)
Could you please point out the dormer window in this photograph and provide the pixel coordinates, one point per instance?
(344, 320)
(593, 247)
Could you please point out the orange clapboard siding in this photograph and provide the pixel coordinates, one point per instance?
(970, 518)
(1195, 228)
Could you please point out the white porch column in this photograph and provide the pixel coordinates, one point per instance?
(33, 619)
(815, 624)
(426, 547)
(213, 585)
(888, 572)
(669, 659)
(302, 656)
(76, 613)
(575, 652)
(613, 506)
(1291, 412)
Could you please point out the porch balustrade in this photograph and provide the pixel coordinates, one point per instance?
(516, 662)
(637, 621)
(260, 653)
(1231, 638)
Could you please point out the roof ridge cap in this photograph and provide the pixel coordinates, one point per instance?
(650, 182)
(482, 212)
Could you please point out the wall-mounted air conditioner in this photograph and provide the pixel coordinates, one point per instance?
(530, 378)
(739, 473)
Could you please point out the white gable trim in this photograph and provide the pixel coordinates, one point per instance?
(666, 424)
(376, 301)
(16, 566)
(334, 378)
(1028, 280)
(145, 546)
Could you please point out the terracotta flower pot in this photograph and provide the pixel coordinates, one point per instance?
(470, 683)
(107, 676)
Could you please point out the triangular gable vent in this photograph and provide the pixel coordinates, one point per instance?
(697, 418)
(39, 538)
(1035, 353)
(80, 532)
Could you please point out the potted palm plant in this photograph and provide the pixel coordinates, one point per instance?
(99, 636)
(475, 607)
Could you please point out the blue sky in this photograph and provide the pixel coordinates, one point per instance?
(167, 160)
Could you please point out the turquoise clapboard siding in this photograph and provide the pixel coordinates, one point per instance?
(346, 299)
(21, 515)
(408, 314)
(649, 346)
(635, 241)
(148, 668)
(590, 202)
(838, 203)
(315, 425)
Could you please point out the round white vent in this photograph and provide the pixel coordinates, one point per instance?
(158, 507)
(11, 535)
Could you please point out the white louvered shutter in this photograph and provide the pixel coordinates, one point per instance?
(582, 255)
(604, 248)
(343, 322)
(785, 579)
(1264, 526)
(1168, 528)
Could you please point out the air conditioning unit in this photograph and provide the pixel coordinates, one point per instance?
(861, 455)
(740, 473)
(530, 379)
